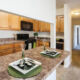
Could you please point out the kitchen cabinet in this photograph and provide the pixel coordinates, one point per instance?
(17, 46)
(6, 49)
(10, 48)
(57, 23)
(14, 22)
(4, 21)
(36, 26)
(44, 27)
(60, 24)
(48, 27)
(41, 43)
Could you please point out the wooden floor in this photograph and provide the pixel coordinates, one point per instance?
(76, 58)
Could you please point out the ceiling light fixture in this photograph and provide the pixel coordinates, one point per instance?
(76, 13)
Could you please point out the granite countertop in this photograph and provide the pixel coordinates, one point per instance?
(48, 64)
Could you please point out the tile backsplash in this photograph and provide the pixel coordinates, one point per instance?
(10, 34)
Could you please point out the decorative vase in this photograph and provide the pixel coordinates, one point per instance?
(44, 48)
(23, 54)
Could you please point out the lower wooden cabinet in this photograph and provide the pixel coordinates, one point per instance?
(6, 52)
(41, 43)
(17, 46)
(10, 48)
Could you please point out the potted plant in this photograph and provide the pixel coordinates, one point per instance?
(35, 35)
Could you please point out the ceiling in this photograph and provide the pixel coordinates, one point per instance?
(74, 4)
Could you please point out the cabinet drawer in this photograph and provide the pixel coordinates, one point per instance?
(18, 44)
(6, 46)
(18, 49)
(5, 52)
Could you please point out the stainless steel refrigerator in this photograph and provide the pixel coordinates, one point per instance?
(76, 37)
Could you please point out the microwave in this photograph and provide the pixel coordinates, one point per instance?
(26, 26)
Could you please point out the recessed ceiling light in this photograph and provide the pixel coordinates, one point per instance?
(76, 13)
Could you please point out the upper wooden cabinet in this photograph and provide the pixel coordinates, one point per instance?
(36, 26)
(4, 20)
(48, 27)
(57, 23)
(60, 24)
(44, 27)
(14, 22)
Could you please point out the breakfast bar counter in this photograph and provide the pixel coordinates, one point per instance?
(49, 65)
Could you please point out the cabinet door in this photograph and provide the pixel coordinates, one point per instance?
(58, 24)
(14, 22)
(57, 27)
(41, 43)
(17, 46)
(6, 49)
(4, 20)
(48, 27)
(47, 44)
(36, 26)
(42, 26)
(62, 24)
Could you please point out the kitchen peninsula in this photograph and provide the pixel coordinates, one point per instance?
(49, 65)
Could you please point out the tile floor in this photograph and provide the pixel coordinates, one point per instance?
(73, 72)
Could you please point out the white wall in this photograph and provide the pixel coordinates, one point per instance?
(60, 11)
(67, 28)
(38, 9)
(75, 21)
